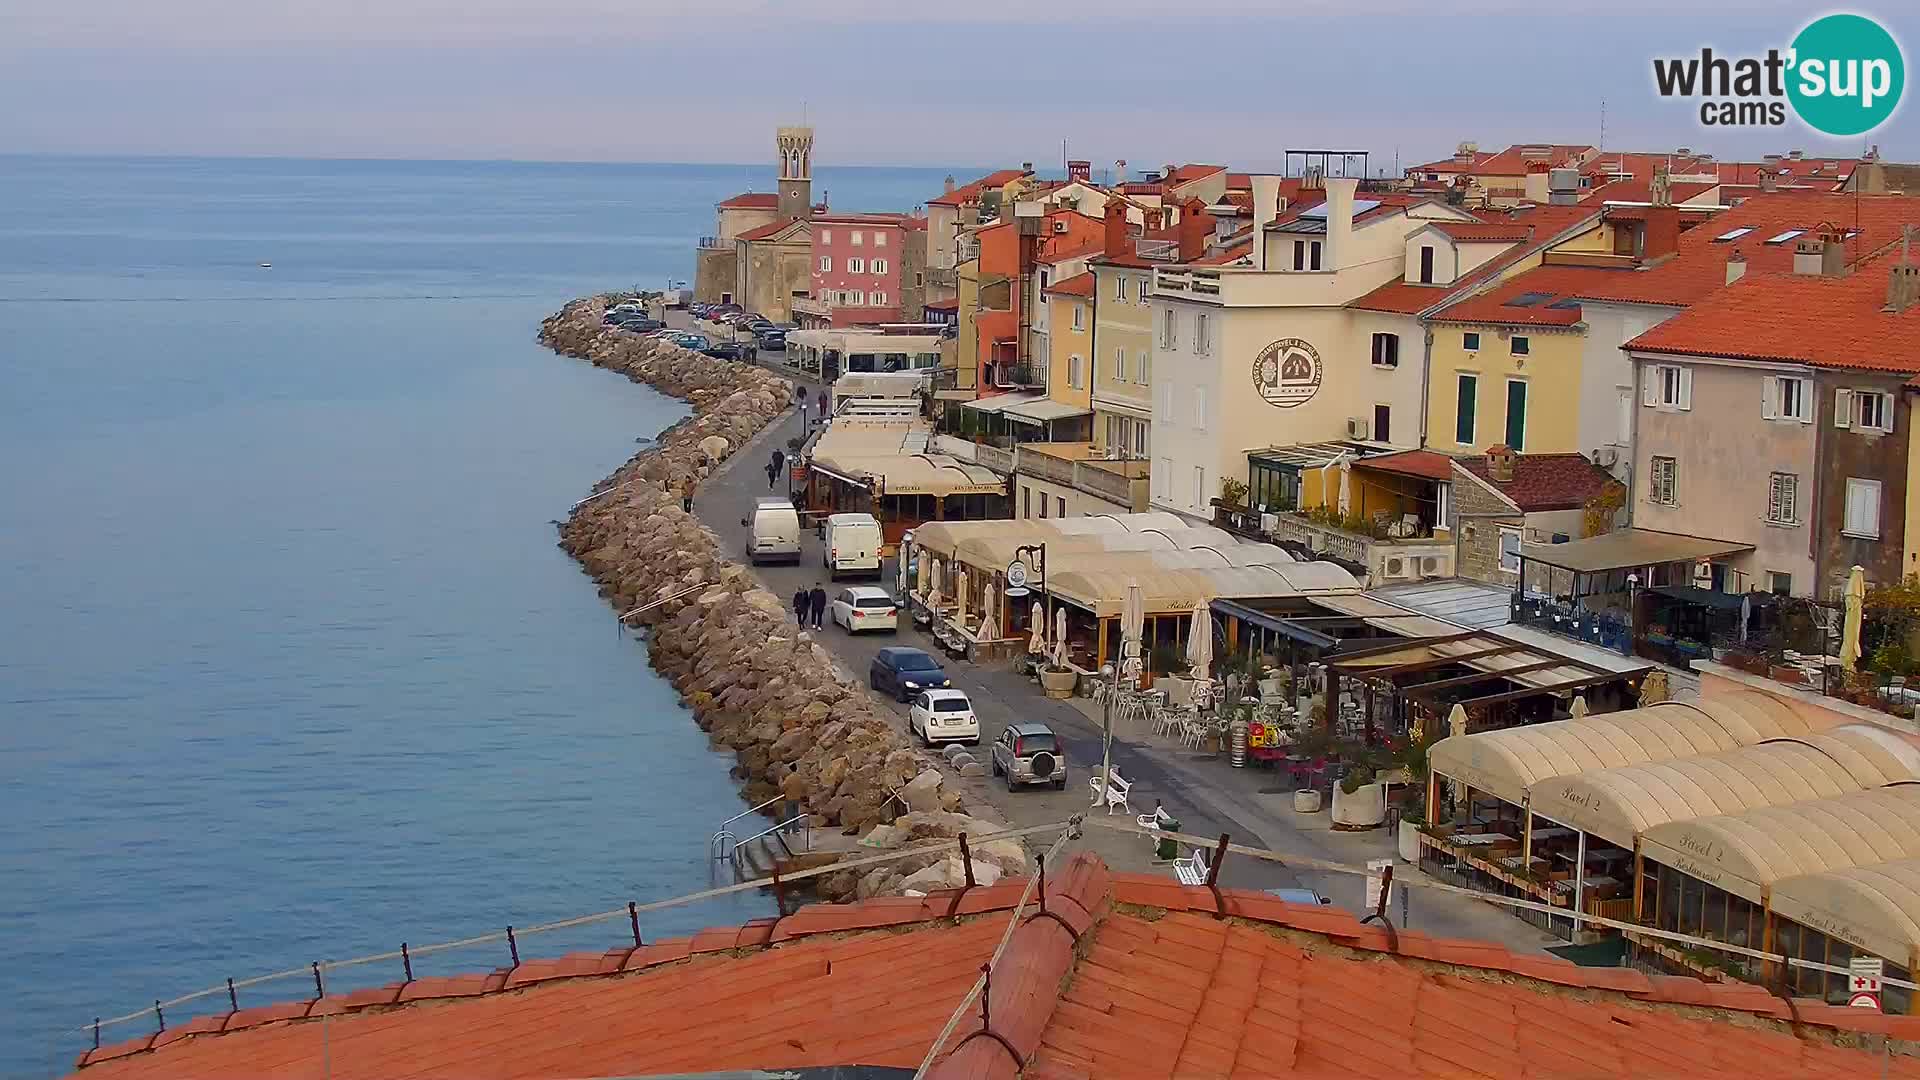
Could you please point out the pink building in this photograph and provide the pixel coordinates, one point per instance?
(859, 268)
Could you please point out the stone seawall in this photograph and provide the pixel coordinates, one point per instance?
(754, 681)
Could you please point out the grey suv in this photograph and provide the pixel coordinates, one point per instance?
(1030, 753)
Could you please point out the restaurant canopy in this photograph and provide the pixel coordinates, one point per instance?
(1873, 908)
(889, 457)
(1534, 668)
(1625, 549)
(1618, 804)
(1747, 853)
(994, 552)
(1508, 763)
(1322, 621)
(1104, 592)
(939, 539)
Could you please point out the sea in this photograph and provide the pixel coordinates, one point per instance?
(291, 669)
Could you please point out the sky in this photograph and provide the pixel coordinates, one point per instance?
(883, 83)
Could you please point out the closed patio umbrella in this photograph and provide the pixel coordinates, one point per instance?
(1850, 632)
(933, 583)
(960, 598)
(1060, 636)
(1037, 630)
(1579, 708)
(1133, 622)
(1200, 640)
(990, 616)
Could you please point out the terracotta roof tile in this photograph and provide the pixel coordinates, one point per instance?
(1151, 990)
(1080, 284)
(771, 228)
(753, 200)
(968, 192)
(1544, 482)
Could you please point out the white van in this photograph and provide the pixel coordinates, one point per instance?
(851, 545)
(773, 533)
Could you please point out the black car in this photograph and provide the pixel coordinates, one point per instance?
(903, 671)
(725, 350)
(775, 341)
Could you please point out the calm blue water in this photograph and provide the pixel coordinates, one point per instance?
(290, 667)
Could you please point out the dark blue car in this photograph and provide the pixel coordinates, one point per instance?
(904, 671)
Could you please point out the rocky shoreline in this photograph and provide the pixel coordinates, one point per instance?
(756, 682)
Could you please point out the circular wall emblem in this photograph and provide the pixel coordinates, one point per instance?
(1287, 373)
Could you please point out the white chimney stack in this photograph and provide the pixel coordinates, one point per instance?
(1339, 219)
(1266, 207)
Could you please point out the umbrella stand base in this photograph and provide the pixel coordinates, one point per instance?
(1058, 684)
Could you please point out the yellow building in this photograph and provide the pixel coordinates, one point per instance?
(1122, 386)
(1070, 315)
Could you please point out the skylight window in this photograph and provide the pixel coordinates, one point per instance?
(1360, 206)
(1785, 236)
(1565, 303)
(1732, 234)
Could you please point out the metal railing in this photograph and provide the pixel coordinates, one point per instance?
(714, 243)
(718, 849)
(795, 824)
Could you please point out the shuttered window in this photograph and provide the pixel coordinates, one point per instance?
(1863, 508)
(1783, 499)
(1663, 483)
(1469, 397)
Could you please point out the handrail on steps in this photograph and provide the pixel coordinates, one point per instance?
(778, 832)
(717, 846)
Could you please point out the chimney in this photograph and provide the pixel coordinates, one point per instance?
(1659, 233)
(1463, 153)
(1736, 266)
(1797, 154)
(949, 183)
(1266, 207)
(1152, 217)
(1807, 254)
(1339, 220)
(1903, 286)
(1115, 239)
(1500, 463)
(1079, 170)
(1833, 256)
(1027, 167)
(1537, 190)
(1195, 226)
(1769, 180)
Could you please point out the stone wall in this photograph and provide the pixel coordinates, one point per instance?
(1479, 514)
(713, 274)
(754, 681)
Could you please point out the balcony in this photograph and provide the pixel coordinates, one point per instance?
(714, 243)
(1008, 375)
(807, 305)
(1072, 464)
(1385, 557)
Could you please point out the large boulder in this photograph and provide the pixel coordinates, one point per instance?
(923, 791)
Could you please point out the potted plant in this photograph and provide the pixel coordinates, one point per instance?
(1057, 682)
(1359, 801)
(1411, 758)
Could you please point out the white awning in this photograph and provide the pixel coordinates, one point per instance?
(1000, 402)
(1045, 409)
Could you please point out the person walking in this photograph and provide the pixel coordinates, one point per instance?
(818, 600)
(801, 602)
(821, 401)
(773, 473)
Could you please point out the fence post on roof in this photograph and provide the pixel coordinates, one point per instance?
(319, 987)
(1213, 875)
(159, 1015)
(233, 999)
(966, 859)
(406, 961)
(633, 916)
(513, 948)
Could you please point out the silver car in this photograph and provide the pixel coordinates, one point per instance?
(1030, 753)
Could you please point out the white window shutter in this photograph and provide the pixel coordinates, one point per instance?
(1650, 385)
(1842, 408)
(1893, 405)
(1769, 393)
(1686, 388)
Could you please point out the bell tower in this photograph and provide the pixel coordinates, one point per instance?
(796, 172)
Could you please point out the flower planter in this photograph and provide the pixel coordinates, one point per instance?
(1366, 808)
(1058, 684)
(1306, 801)
(1410, 841)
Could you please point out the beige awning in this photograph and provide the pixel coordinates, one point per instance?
(1508, 763)
(1619, 804)
(1626, 549)
(913, 474)
(1045, 409)
(1000, 402)
(1103, 592)
(1875, 909)
(1747, 853)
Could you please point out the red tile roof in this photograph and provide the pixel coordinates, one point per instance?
(1226, 255)
(1078, 285)
(1637, 189)
(1535, 226)
(1700, 266)
(771, 228)
(1425, 464)
(1485, 231)
(1187, 173)
(1826, 322)
(1514, 160)
(969, 192)
(1641, 166)
(1544, 481)
(753, 200)
(1821, 173)
(1449, 165)
(995, 325)
(1400, 297)
(1126, 975)
(1239, 181)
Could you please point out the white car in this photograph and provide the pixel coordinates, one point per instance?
(863, 608)
(939, 716)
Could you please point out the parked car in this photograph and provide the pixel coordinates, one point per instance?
(904, 671)
(771, 341)
(938, 716)
(864, 607)
(696, 342)
(725, 350)
(1300, 896)
(1030, 753)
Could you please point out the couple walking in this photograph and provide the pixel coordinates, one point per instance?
(809, 603)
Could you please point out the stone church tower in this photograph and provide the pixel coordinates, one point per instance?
(796, 172)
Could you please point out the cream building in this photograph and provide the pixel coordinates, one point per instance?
(1266, 355)
(1122, 360)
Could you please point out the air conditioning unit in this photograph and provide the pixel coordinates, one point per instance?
(1356, 427)
(1606, 456)
(1430, 566)
(1060, 227)
(1394, 569)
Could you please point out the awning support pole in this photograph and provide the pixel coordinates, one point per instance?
(1579, 884)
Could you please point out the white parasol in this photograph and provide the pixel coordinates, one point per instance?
(1200, 641)
(990, 616)
(960, 597)
(1037, 631)
(933, 583)
(1856, 599)
(1133, 621)
(1060, 636)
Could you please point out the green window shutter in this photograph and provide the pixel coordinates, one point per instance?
(1516, 414)
(1469, 394)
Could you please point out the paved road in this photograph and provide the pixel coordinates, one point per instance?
(1208, 797)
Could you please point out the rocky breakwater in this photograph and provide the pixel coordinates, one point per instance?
(756, 682)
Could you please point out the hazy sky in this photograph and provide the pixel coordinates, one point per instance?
(883, 82)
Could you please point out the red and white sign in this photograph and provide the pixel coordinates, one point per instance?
(1863, 982)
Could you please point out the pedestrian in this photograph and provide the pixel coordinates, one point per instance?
(779, 458)
(773, 472)
(822, 402)
(801, 601)
(818, 599)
